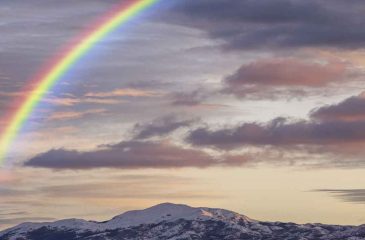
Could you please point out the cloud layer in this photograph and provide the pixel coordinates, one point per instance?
(333, 136)
(347, 195)
(131, 155)
(263, 75)
(159, 127)
(280, 132)
(351, 109)
(268, 24)
(338, 128)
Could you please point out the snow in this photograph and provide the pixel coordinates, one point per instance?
(163, 220)
(168, 212)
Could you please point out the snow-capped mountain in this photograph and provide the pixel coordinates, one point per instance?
(178, 222)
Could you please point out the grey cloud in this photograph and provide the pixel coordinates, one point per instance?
(268, 75)
(347, 195)
(280, 132)
(131, 155)
(334, 136)
(159, 127)
(281, 23)
(188, 98)
(351, 109)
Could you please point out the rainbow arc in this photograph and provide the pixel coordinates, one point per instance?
(59, 67)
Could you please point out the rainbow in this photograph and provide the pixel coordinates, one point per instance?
(60, 66)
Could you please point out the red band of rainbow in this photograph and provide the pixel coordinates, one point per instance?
(62, 65)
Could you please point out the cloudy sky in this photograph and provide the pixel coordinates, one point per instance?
(253, 106)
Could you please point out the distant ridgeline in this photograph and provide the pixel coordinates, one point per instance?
(180, 222)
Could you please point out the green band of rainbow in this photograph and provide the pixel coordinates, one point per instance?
(47, 81)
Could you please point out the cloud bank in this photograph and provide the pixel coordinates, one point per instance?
(266, 74)
(132, 155)
(266, 24)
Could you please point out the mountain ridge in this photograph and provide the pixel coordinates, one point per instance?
(179, 222)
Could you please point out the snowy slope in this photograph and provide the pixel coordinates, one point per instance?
(176, 221)
(170, 212)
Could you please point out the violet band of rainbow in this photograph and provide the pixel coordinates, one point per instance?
(61, 66)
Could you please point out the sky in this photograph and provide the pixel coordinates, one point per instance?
(252, 106)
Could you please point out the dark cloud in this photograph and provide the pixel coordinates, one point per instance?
(188, 98)
(347, 195)
(266, 74)
(159, 127)
(351, 109)
(280, 132)
(281, 23)
(334, 135)
(131, 155)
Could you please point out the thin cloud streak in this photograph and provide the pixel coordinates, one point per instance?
(62, 116)
(127, 92)
(346, 195)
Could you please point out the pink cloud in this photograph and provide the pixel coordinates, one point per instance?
(268, 73)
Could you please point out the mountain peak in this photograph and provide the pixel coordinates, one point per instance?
(163, 209)
(172, 212)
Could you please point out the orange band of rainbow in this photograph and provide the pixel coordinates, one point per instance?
(62, 65)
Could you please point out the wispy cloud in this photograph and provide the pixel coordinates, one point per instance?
(74, 114)
(123, 92)
(102, 98)
(66, 101)
(347, 195)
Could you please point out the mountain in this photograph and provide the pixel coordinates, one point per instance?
(169, 221)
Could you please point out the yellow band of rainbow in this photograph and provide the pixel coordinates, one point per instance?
(61, 66)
